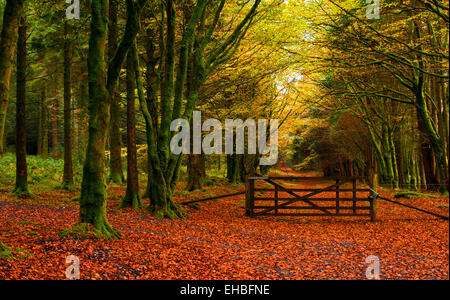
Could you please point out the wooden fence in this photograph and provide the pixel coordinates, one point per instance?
(342, 198)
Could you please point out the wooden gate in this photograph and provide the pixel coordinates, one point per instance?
(273, 198)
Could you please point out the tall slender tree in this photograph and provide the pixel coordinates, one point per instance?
(21, 188)
(132, 197)
(68, 163)
(115, 138)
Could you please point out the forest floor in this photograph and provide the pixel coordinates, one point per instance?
(217, 241)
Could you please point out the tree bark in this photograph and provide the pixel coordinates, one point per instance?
(116, 170)
(132, 197)
(93, 190)
(11, 19)
(196, 171)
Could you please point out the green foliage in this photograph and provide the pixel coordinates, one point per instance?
(44, 173)
(11, 253)
(5, 251)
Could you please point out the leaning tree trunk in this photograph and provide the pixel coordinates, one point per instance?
(8, 42)
(21, 188)
(68, 164)
(132, 197)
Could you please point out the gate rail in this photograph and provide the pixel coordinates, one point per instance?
(259, 206)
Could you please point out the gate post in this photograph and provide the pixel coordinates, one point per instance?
(250, 196)
(338, 209)
(372, 198)
(276, 200)
(354, 196)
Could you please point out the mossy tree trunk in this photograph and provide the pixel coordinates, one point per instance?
(393, 156)
(11, 18)
(102, 82)
(153, 76)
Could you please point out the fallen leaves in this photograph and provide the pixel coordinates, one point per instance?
(219, 242)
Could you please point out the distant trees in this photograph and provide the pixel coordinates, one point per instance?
(392, 75)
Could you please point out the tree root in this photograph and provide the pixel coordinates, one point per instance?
(132, 200)
(68, 187)
(172, 212)
(23, 193)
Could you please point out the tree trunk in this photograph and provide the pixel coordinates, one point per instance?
(434, 145)
(102, 82)
(93, 189)
(44, 129)
(196, 171)
(39, 137)
(11, 19)
(233, 174)
(116, 170)
(132, 197)
(21, 188)
(393, 154)
(387, 157)
(54, 122)
(68, 164)
(152, 87)
(83, 119)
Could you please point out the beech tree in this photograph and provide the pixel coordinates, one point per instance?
(102, 83)
(115, 139)
(199, 54)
